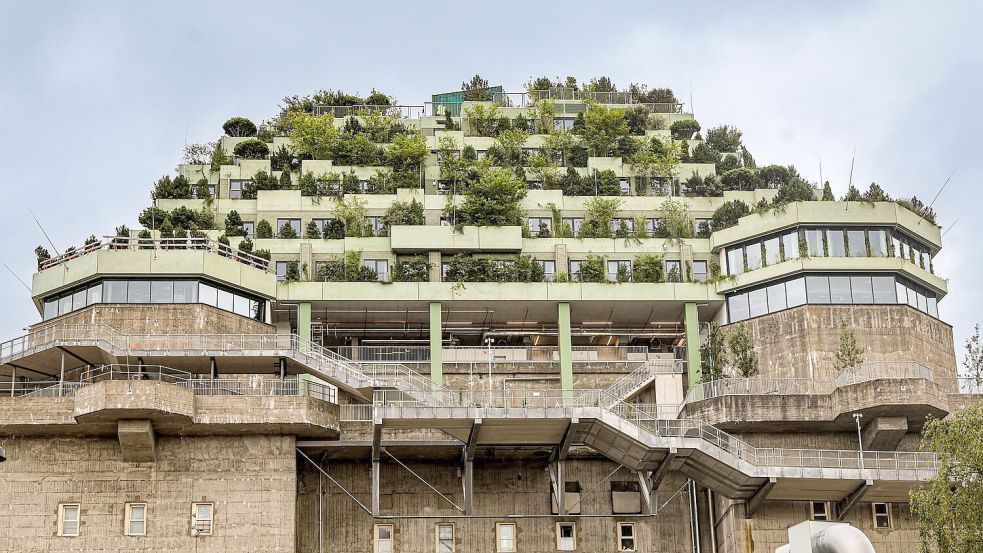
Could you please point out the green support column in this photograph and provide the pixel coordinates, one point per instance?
(436, 344)
(304, 321)
(566, 347)
(692, 345)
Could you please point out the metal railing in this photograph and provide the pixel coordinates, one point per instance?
(643, 375)
(400, 111)
(359, 412)
(129, 243)
(133, 372)
(499, 354)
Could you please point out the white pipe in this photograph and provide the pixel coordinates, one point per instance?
(826, 537)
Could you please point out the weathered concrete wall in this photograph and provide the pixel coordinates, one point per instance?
(163, 319)
(502, 487)
(768, 529)
(802, 342)
(251, 480)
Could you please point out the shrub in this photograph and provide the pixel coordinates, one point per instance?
(42, 255)
(728, 214)
(346, 269)
(592, 269)
(414, 269)
(252, 149)
(312, 231)
(287, 231)
(404, 213)
(796, 190)
(495, 200)
(684, 128)
(675, 222)
(703, 187)
(608, 183)
(264, 229)
(740, 179)
(704, 154)
(265, 254)
(177, 189)
(246, 245)
(648, 268)
(239, 126)
(724, 138)
(598, 216)
(233, 224)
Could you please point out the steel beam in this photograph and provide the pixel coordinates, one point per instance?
(376, 457)
(467, 459)
(843, 507)
(752, 504)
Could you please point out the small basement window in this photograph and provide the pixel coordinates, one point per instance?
(819, 510)
(882, 514)
(626, 536)
(202, 519)
(566, 536)
(69, 516)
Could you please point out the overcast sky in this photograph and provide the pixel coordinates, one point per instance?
(98, 98)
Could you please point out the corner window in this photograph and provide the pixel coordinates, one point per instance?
(735, 261)
(882, 514)
(383, 538)
(626, 536)
(566, 536)
(819, 510)
(445, 538)
(136, 519)
(505, 537)
(202, 519)
(69, 519)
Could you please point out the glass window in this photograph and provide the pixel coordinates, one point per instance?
(776, 297)
(235, 189)
(505, 537)
(240, 305)
(753, 256)
(883, 289)
(858, 243)
(817, 288)
(738, 307)
(250, 228)
(790, 245)
(700, 271)
(225, 300)
(795, 292)
(650, 226)
(95, 294)
(839, 290)
(912, 297)
(281, 270)
(185, 291)
(819, 510)
(566, 536)
(898, 246)
(735, 261)
(549, 268)
(772, 252)
(136, 519)
(380, 266)
(138, 291)
(902, 291)
(202, 519)
(50, 309)
(115, 291)
(878, 242)
(79, 299)
(207, 294)
(162, 291)
(863, 291)
(626, 536)
(575, 224)
(922, 304)
(445, 538)
(836, 243)
(575, 270)
(295, 223)
(674, 271)
(376, 222)
(541, 226)
(814, 243)
(619, 270)
(933, 306)
(758, 302)
(882, 515)
(68, 519)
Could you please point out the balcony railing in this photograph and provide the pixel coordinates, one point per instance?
(501, 354)
(400, 111)
(163, 244)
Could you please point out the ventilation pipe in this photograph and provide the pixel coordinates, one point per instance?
(826, 537)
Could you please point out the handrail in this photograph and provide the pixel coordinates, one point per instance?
(130, 243)
(642, 375)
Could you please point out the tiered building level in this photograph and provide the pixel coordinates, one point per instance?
(184, 394)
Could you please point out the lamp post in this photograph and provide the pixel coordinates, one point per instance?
(860, 439)
(489, 342)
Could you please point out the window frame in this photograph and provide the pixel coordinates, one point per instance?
(289, 221)
(821, 517)
(559, 545)
(62, 507)
(376, 540)
(129, 520)
(621, 536)
(195, 530)
(885, 516)
(498, 537)
(438, 539)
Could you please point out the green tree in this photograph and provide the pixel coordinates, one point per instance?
(728, 214)
(404, 213)
(476, 90)
(264, 229)
(741, 346)
(239, 126)
(252, 148)
(828, 193)
(724, 138)
(495, 200)
(949, 508)
(233, 224)
(313, 136)
(675, 222)
(312, 231)
(603, 128)
(713, 355)
(848, 354)
(599, 212)
(352, 213)
(973, 360)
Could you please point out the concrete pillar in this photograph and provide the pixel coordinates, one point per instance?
(435, 268)
(562, 258)
(566, 347)
(692, 321)
(436, 343)
(375, 487)
(468, 483)
(304, 321)
(686, 260)
(136, 440)
(306, 259)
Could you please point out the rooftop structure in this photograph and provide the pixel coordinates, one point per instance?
(552, 320)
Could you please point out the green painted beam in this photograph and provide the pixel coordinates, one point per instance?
(304, 320)
(566, 346)
(436, 344)
(692, 320)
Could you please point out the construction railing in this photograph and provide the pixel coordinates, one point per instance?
(129, 243)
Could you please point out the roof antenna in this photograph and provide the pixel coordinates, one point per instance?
(24, 283)
(937, 194)
(850, 185)
(52, 244)
(952, 225)
(691, 110)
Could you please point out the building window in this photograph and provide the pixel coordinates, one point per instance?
(790, 246)
(624, 187)
(882, 514)
(814, 243)
(380, 266)
(735, 261)
(541, 226)
(566, 536)
(376, 223)
(650, 226)
(445, 538)
(250, 228)
(772, 252)
(878, 243)
(752, 253)
(619, 270)
(549, 269)
(819, 510)
(202, 519)
(626, 536)
(236, 187)
(674, 270)
(622, 226)
(702, 226)
(287, 270)
(574, 270)
(575, 224)
(505, 537)
(383, 538)
(295, 223)
(858, 242)
(836, 243)
(69, 519)
(700, 272)
(136, 519)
